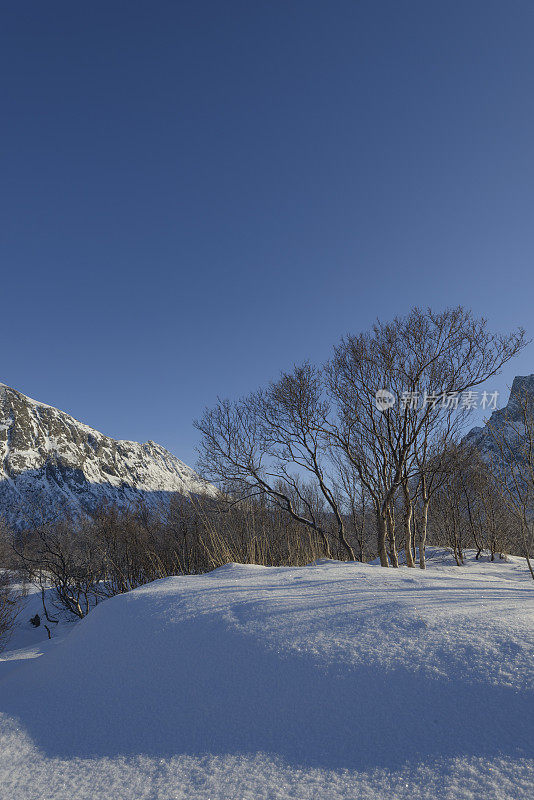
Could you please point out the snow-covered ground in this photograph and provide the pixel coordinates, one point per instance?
(330, 681)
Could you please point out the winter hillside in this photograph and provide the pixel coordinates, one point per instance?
(335, 680)
(51, 463)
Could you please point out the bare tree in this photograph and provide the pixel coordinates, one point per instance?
(64, 557)
(264, 444)
(432, 357)
(356, 501)
(10, 604)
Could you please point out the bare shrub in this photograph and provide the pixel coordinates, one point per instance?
(10, 604)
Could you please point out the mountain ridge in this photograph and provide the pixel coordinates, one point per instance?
(51, 462)
(481, 436)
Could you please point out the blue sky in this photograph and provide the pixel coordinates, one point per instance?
(196, 195)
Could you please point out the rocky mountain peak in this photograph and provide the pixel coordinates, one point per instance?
(481, 436)
(52, 463)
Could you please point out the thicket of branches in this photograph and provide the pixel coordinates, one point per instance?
(78, 563)
(10, 603)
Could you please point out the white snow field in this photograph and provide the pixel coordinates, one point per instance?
(330, 681)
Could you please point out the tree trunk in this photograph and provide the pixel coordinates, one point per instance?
(344, 542)
(422, 533)
(408, 514)
(525, 532)
(382, 535)
(392, 545)
(326, 543)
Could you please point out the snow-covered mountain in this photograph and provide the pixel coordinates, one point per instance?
(501, 419)
(50, 462)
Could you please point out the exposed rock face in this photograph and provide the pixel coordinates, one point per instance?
(51, 463)
(500, 420)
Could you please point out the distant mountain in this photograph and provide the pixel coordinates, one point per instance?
(51, 463)
(501, 419)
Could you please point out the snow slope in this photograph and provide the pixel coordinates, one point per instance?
(330, 681)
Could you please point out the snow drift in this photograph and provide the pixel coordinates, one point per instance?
(333, 681)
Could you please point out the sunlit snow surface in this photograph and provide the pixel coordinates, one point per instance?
(330, 681)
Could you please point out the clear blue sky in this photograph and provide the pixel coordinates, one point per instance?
(196, 195)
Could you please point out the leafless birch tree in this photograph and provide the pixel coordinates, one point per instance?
(431, 357)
